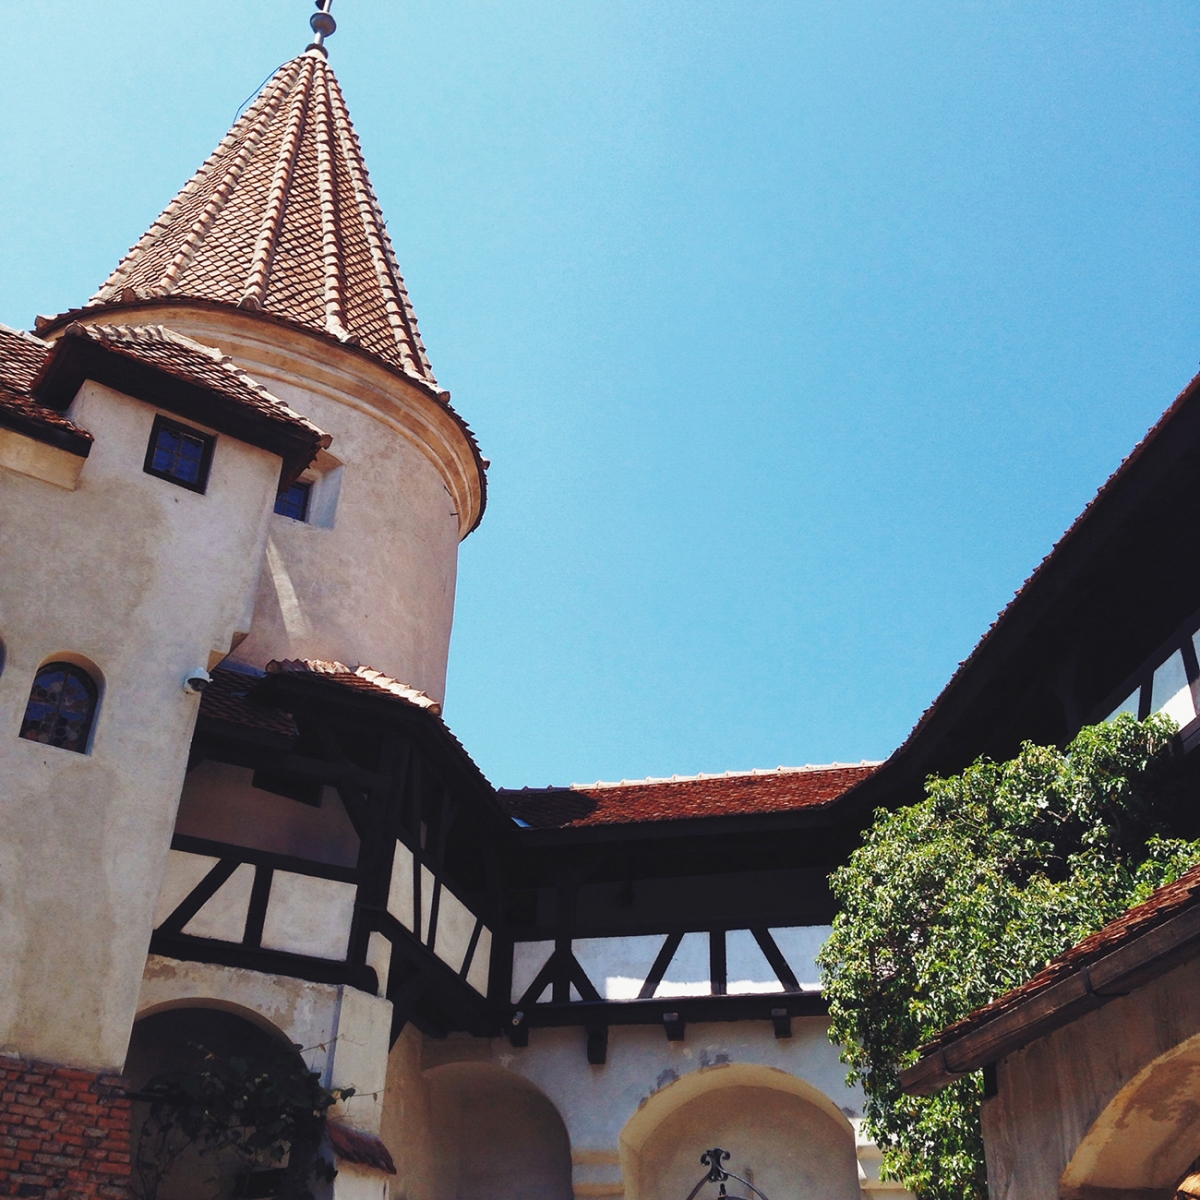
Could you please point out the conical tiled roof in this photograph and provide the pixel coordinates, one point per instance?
(282, 219)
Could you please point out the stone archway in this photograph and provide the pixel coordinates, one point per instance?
(783, 1134)
(179, 1038)
(1147, 1136)
(495, 1135)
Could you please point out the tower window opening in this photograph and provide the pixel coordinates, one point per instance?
(179, 454)
(293, 501)
(62, 705)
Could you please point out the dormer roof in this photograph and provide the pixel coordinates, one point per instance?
(282, 219)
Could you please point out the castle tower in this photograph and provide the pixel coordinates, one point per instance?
(276, 253)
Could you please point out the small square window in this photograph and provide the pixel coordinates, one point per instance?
(293, 501)
(179, 453)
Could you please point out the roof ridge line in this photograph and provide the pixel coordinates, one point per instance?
(753, 772)
(331, 248)
(255, 287)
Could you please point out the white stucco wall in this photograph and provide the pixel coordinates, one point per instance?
(145, 580)
(376, 588)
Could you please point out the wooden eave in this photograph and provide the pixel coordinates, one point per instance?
(1131, 965)
(76, 360)
(73, 441)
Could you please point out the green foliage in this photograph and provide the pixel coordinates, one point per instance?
(258, 1114)
(955, 900)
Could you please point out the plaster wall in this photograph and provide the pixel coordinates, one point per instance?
(598, 1103)
(1067, 1087)
(342, 1032)
(139, 580)
(374, 584)
(219, 802)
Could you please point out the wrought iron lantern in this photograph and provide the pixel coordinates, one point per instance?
(712, 1159)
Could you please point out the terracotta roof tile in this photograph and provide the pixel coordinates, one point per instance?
(282, 219)
(227, 699)
(734, 794)
(192, 361)
(355, 1146)
(1165, 903)
(21, 358)
(359, 679)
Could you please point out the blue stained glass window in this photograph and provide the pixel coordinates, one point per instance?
(179, 454)
(62, 703)
(293, 501)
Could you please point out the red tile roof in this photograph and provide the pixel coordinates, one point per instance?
(227, 700)
(355, 1146)
(359, 679)
(191, 361)
(783, 790)
(21, 358)
(282, 219)
(1164, 904)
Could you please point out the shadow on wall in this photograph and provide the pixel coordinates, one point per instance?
(783, 1135)
(495, 1135)
(1148, 1135)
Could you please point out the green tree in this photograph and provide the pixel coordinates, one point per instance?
(955, 900)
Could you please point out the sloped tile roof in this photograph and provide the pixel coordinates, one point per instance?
(282, 219)
(195, 363)
(359, 679)
(21, 358)
(1164, 904)
(733, 794)
(227, 699)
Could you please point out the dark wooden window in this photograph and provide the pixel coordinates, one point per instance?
(293, 501)
(62, 705)
(179, 453)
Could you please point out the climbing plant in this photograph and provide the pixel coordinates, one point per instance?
(254, 1120)
(955, 900)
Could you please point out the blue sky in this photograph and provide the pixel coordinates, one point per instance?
(796, 332)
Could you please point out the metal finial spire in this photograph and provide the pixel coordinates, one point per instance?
(323, 24)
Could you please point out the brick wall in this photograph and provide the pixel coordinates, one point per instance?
(64, 1133)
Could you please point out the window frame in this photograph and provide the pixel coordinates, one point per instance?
(208, 443)
(90, 686)
(307, 485)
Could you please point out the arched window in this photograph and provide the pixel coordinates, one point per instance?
(62, 703)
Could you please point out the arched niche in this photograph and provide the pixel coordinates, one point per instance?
(1147, 1136)
(784, 1135)
(178, 1038)
(495, 1135)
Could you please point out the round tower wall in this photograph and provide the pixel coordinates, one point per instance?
(370, 577)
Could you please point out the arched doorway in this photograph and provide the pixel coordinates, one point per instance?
(783, 1135)
(495, 1136)
(1148, 1135)
(181, 1040)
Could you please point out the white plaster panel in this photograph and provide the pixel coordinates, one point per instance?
(379, 958)
(183, 874)
(306, 915)
(1128, 705)
(353, 1182)
(747, 971)
(400, 888)
(688, 972)
(455, 925)
(360, 1056)
(28, 456)
(618, 966)
(1170, 692)
(481, 962)
(528, 959)
(223, 916)
(800, 944)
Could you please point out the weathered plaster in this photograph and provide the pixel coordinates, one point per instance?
(28, 456)
(1108, 1101)
(377, 588)
(144, 580)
